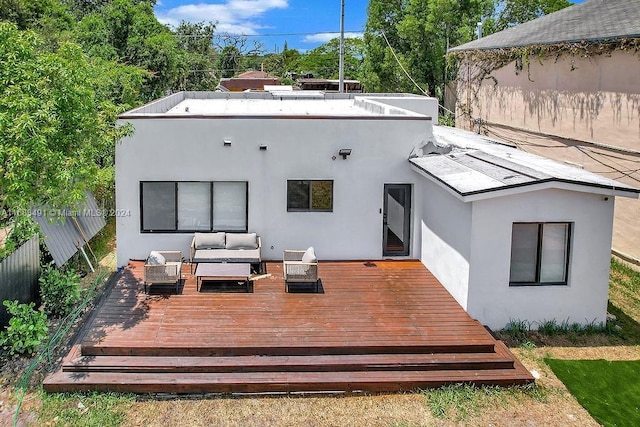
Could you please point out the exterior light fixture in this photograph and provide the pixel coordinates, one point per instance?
(227, 143)
(263, 147)
(344, 152)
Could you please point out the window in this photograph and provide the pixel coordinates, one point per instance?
(193, 206)
(158, 206)
(539, 253)
(309, 196)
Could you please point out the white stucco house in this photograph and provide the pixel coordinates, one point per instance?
(366, 177)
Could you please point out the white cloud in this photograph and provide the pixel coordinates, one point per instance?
(325, 37)
(232, 16)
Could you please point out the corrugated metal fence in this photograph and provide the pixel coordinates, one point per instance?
(19, 274)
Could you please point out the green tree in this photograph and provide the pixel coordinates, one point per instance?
(198, 56)
(381, 73)
(54, 132)
(324, 61)
(416, 34)
(229, 61)
(514, 12)
(28, 13)
(127, 31)
(282, 64)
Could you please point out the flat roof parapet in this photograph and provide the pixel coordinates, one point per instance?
(267, 104)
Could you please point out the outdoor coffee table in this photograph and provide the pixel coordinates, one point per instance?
(228, 272)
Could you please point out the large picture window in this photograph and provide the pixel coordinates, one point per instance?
(309, 196)
(539, 253)
(193, 206)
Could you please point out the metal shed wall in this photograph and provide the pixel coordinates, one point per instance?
(19, 274)
(60, 231)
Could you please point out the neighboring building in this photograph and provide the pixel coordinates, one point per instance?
(367, 177)
(250, 80)
(565, 86)
(350, 86)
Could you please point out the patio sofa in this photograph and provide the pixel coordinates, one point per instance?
(226, 247)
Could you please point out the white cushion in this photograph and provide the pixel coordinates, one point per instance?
(242, 241)
(156, 258)
(309, 256)
(210, 240)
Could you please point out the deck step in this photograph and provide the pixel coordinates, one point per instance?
(324, 363)
(153, 349)
(277, 382)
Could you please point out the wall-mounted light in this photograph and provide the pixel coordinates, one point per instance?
(227, 143)
(344, 152)
(263, 147)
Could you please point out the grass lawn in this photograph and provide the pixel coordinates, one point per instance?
(89, 409)
(609, 390)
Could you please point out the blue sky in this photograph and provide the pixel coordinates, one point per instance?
(304, 24)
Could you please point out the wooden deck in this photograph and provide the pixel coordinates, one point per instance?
(381, 326)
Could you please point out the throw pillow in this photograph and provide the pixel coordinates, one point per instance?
(210, 240)
(156, 258)
(309, 256)
(242, 241)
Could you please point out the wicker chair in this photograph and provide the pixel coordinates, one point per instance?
(169, 272)
(297, 271)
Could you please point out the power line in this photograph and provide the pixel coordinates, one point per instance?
(229, 35)
(400, 64)
(584, 150)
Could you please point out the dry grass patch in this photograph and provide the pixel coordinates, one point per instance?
(361, 410)
(469, 407)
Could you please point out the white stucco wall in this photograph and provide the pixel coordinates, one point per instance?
(420, 105)
(583, 300)
(445, 224)
(189, 149)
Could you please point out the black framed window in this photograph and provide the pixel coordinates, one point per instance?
(540, 253)
(189, 206)
(309, 195)
(158, 201)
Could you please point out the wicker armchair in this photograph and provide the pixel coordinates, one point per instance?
(169, 272)
(297, 271)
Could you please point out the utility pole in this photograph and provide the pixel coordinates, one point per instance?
(341, 85)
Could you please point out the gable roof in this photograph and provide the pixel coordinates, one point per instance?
(478, 167)
(593, 20)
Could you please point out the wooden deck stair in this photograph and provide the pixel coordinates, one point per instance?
(318, 360)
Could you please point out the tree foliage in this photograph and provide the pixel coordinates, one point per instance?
(198, 56)
(514, 12)
(324, 61)
(229, 61)
(415, 35)
(54, 132)
(127, 31)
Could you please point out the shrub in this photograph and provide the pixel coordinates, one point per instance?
(26, 331)
(60, 291)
